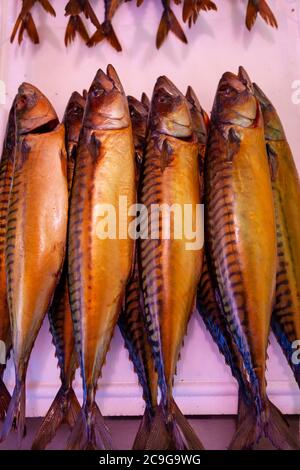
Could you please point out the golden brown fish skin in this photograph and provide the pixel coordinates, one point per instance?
(131, 321)
(286, 192)
(240, 222)
(65, 406)
(60, 313)
(35, 235)
(170, 273)
(104, 171)
(29, 298)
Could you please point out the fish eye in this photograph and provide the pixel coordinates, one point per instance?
(22, 99)
(133, 113)
(226, 90)
(164, 99)
(97, 91)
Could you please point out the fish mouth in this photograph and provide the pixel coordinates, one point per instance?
(179, 124)
(165, 83)
(192, 98)
(108, 81)
(245, 79)
(28, 96)
(137, 106)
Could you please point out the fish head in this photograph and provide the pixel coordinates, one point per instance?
(106, 106)
(138, 115)
(74, 115)
(34, 112)
(272, 124)
(169, 111)
(235, 103)
(200, 119)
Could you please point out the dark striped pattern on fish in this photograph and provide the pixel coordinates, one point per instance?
(215, 322)
(61, 328)
(286, 195)
(170, 268)
(99, 266)
(33, 267)
(286, 312)
(150, 254)
(241, 237)
(132, 326)
(222, 245)
(6, 173)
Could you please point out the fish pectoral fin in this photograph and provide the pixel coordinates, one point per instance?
(234, 140)
(273, 161)
(166, 155)
(94, 147)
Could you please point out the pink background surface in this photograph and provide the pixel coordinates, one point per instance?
(218, 42)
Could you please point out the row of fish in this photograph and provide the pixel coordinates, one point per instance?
(78, 10)
(243, 281)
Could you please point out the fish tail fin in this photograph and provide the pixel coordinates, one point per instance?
(270, 424)
(144, 431)
(90, 431)
(105, 32)
(65, 408)
(47, 7)
(207, 5)
(243, 407)
(263, 9)
(28, 25)
(4, 400)
(267, 14)
(171, 431)
(276, 429)
(75, 25)
(168, 23)
(15, 417)
(16, 27)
